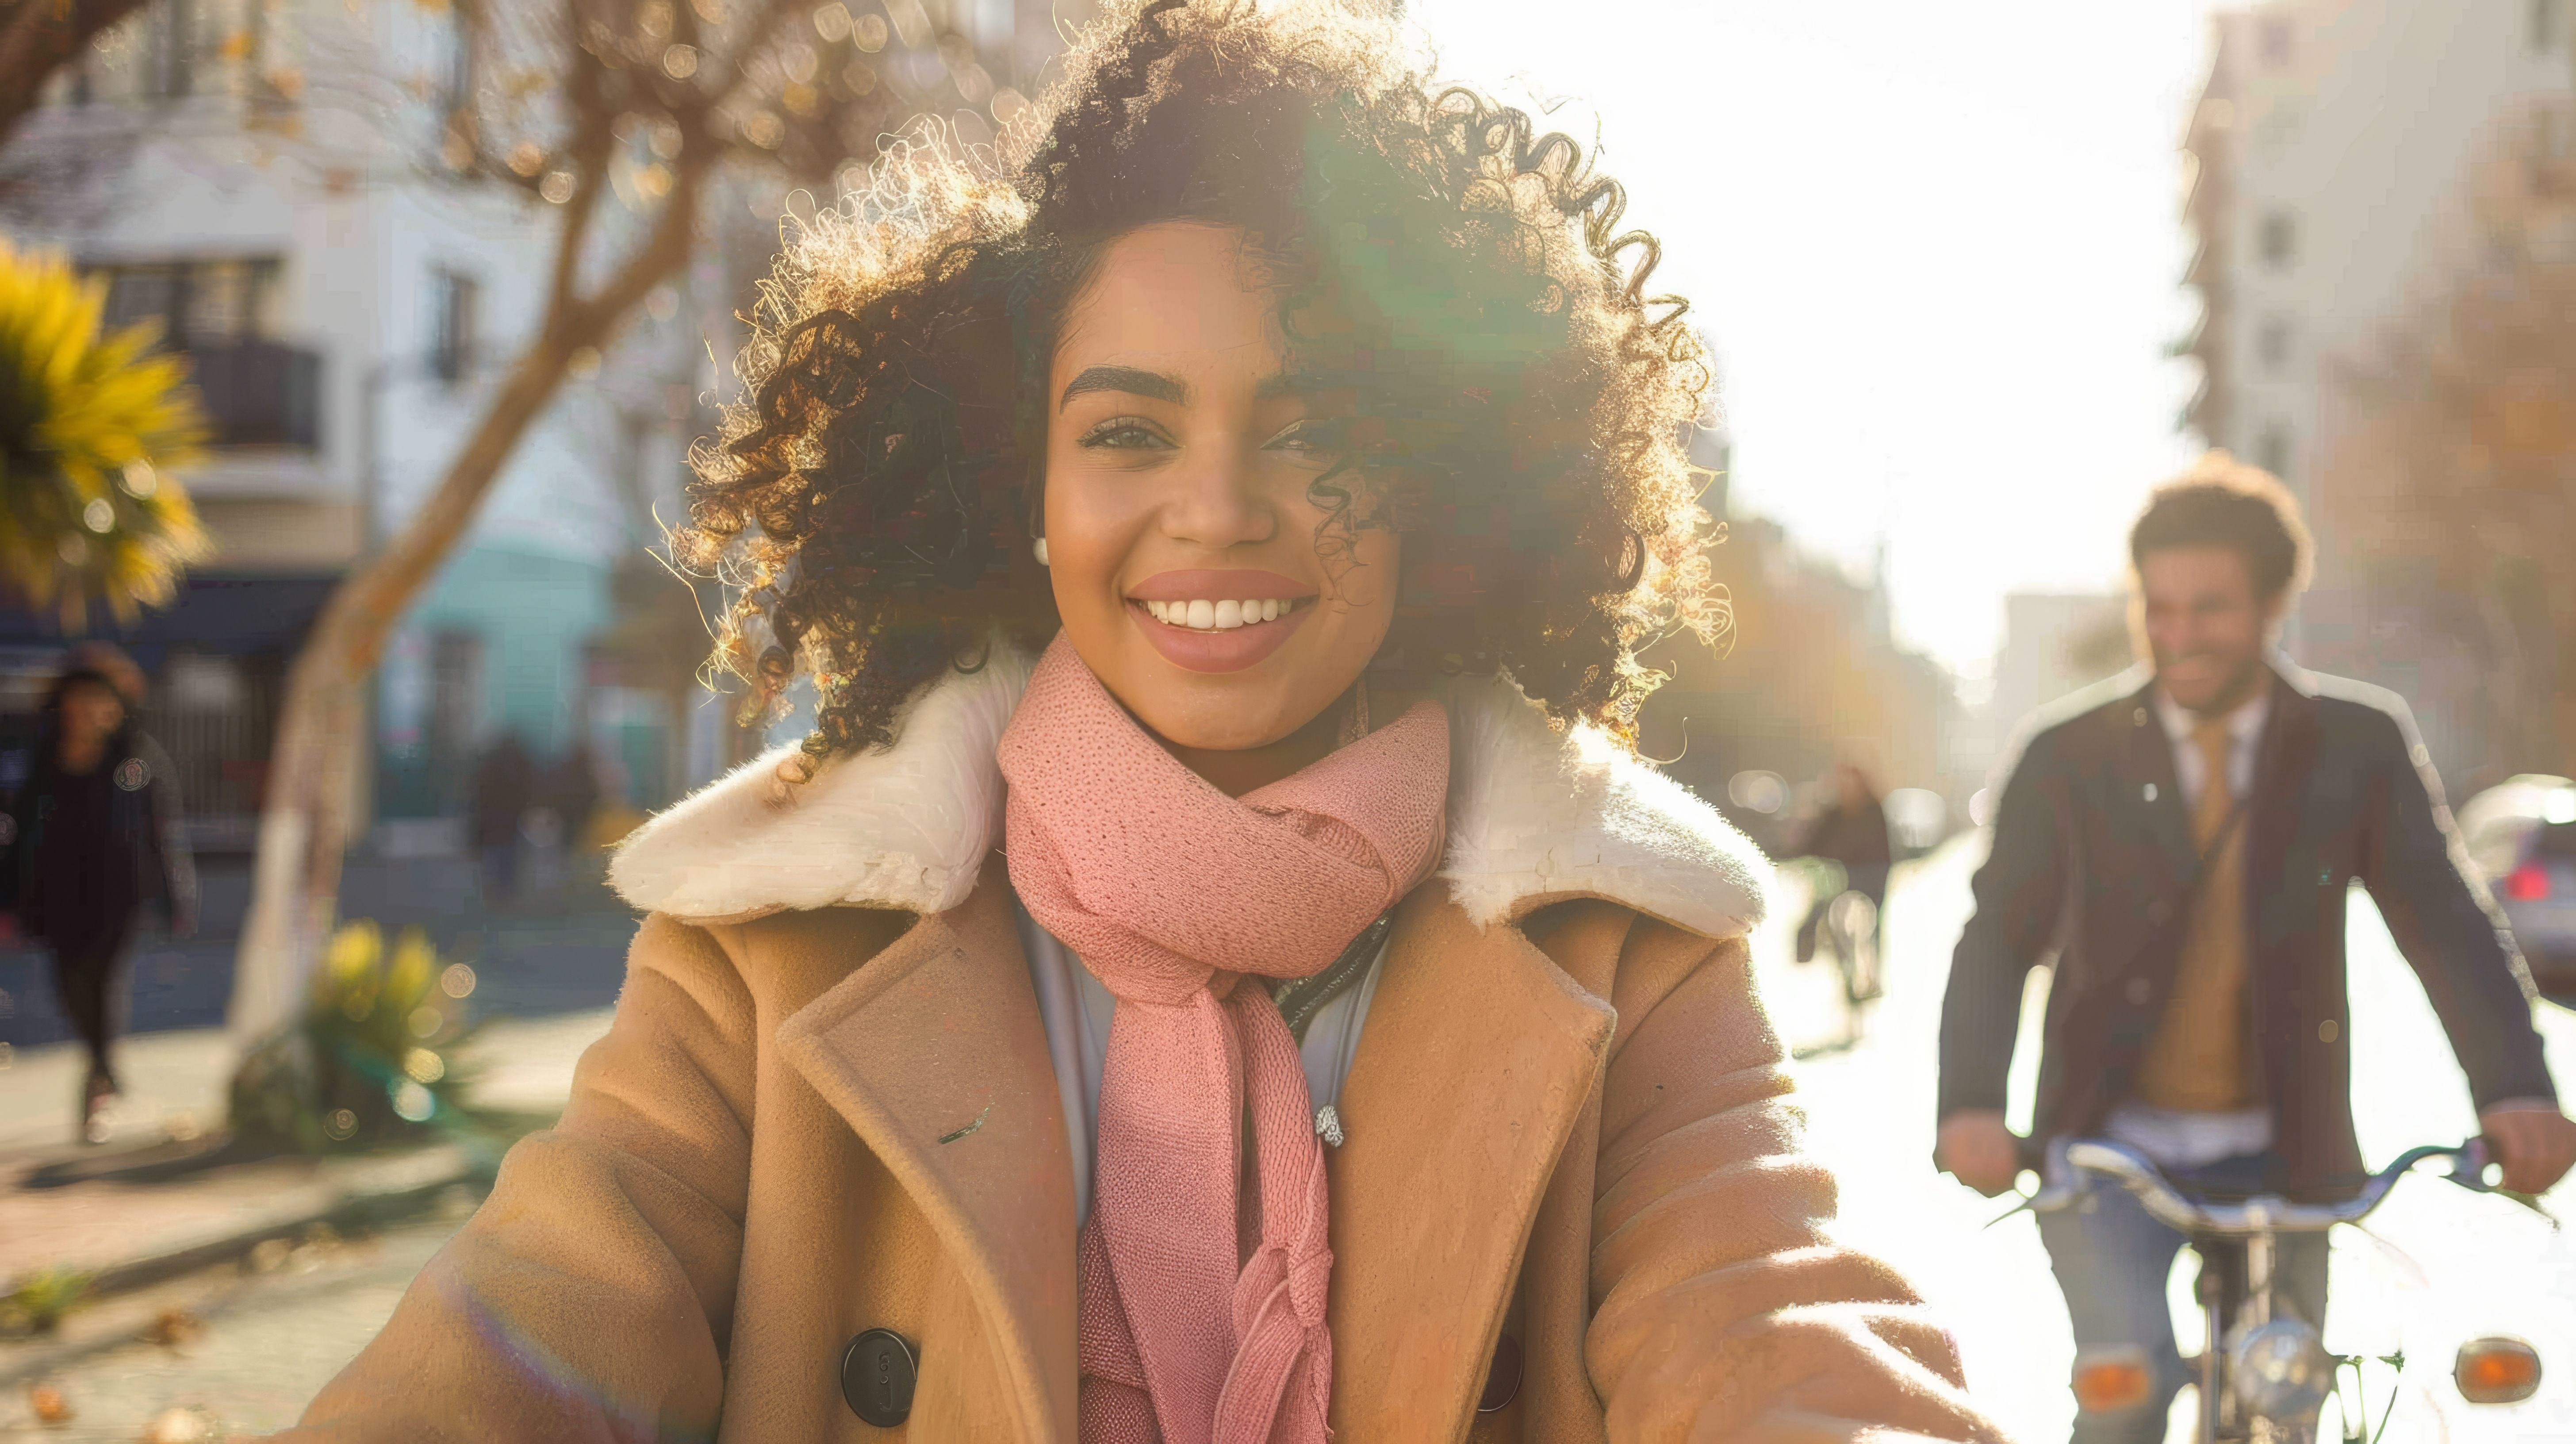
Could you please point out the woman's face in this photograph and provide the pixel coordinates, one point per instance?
(90, 713)
(1181, 538)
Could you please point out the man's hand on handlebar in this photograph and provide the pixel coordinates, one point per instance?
(2535, 1143)
(1979, 1150)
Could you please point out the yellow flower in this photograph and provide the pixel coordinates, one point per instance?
(354, 951)
(91, 429)
(414, 970)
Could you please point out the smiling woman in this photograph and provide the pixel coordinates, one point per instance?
(1454, 338)
(1216, 972)
(1181, 510)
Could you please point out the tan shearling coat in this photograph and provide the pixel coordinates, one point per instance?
(826, 1105)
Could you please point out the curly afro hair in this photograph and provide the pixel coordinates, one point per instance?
(2223, 502)
(1522, 403)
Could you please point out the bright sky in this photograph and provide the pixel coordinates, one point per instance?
(1936, 245)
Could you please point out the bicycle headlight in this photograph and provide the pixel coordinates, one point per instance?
(2282, 1370)
(2497, 1371)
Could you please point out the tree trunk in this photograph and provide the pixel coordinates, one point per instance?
(304, 823)
(305, 818)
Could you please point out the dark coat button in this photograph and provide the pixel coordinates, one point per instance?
(1503, 1380)
(877, 1374)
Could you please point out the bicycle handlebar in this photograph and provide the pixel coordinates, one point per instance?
(2265, 1213)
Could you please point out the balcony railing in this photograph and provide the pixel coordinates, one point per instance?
(259, 393)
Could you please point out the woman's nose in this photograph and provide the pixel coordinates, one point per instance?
(1216, 503)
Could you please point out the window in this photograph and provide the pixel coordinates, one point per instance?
(2272, 345)
(144, 293)
(168, 50)
(199, 305)
(2277, 239)
(2276, 36)
(451, 336)
(223, 303)
(2545, 22)
(172, 56)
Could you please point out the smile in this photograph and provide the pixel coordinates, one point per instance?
(1207, 616)
(1219, 620)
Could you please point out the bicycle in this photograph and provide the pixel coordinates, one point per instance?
(2262, 1376)
(1851, 921)
(1844, 918)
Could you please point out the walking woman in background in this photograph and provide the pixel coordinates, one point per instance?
(91, 837)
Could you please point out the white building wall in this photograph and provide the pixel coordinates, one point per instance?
(341, 189)
(2359, 121)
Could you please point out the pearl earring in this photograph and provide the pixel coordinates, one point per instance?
(1038, 549)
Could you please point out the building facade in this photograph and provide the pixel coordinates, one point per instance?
(261, 178)
(2334, 166)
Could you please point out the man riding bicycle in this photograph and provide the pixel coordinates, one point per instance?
(2184, 847)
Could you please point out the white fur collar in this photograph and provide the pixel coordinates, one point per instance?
(1533, 814)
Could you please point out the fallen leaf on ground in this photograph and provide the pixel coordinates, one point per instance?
(172, 1328)
(50, 1405)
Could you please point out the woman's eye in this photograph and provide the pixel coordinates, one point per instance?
(1312, 437)
(1122, 434)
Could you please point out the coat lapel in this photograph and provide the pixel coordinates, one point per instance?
(2287, 754)
(1475, 1065)
(2149, 791)
(935, 1055)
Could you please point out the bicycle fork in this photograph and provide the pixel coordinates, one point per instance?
(2235, 1299)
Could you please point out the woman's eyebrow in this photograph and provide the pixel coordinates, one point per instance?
(1286, 383)
(1129, 379)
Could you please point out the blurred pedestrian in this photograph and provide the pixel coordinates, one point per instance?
(505, 783)
(572, 790)
(1849, 829)
(2181, 841)
(90, 838)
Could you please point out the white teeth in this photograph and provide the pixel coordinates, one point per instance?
(1204, 616)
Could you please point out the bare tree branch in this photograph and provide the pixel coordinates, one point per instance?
(36, 37)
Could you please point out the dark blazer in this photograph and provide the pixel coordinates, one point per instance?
(2092, 855)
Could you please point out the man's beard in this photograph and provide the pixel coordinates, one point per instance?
(2234, 692)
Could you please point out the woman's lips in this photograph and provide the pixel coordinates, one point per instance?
(1229, 650)
(1214, 584)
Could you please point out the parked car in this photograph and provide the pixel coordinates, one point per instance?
(2521, 834)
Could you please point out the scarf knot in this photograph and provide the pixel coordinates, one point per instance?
(1171, 893)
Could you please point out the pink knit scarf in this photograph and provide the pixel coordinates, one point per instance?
(1170, 892)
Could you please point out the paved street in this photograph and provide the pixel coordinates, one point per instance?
(2438, 1265)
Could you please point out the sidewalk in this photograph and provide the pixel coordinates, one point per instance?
(553, 949)
(145, 1205)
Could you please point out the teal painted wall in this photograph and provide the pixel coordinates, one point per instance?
(533, 612)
